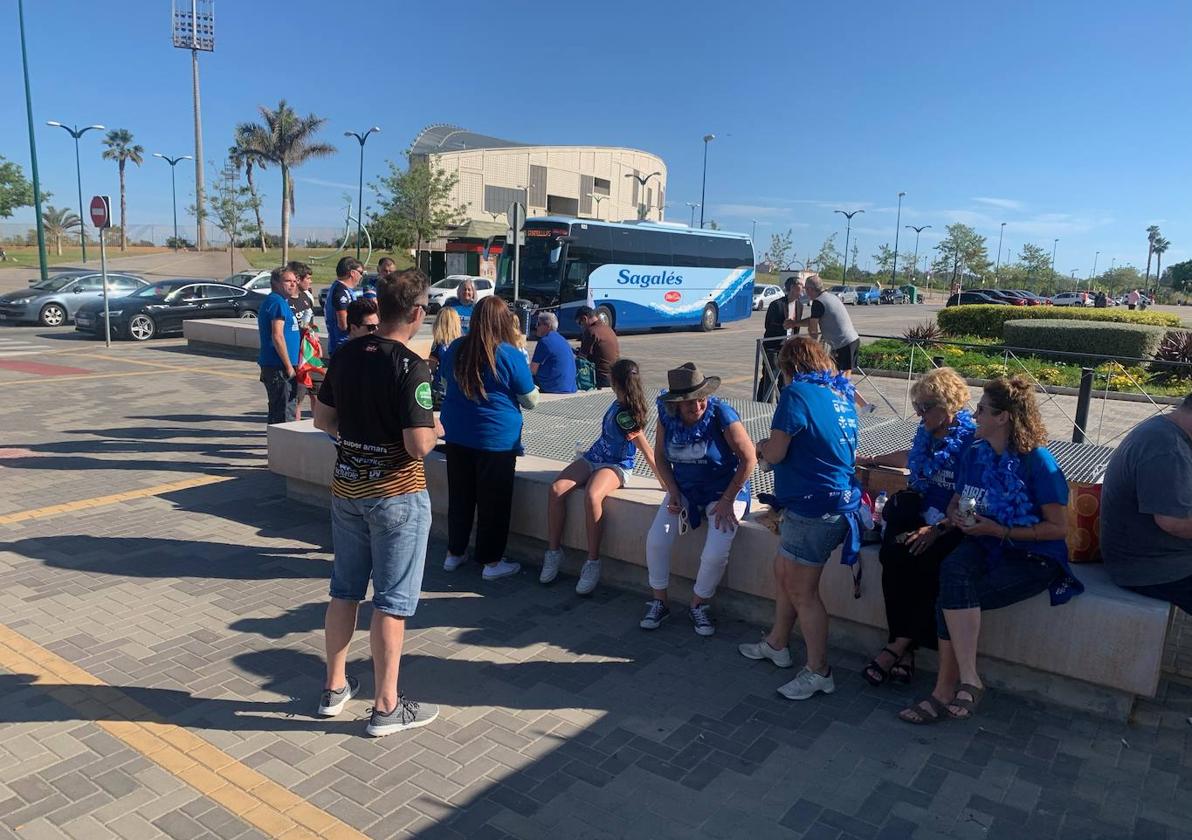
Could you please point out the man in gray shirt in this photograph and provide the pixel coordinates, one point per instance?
(830, 321)
(1146, 509)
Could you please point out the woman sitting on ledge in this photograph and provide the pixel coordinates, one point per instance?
(918, 535)
(1011, 505)
(704, 459)
(813, 447)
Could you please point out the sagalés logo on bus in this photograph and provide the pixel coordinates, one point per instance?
(672, 296)
(665, 278)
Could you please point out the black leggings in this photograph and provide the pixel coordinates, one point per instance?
(911, 582)
(469, 470)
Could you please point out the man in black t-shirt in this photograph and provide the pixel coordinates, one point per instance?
(782, 316)
(376, 400)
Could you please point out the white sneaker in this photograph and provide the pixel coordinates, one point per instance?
(762, 650)
(550, 565)
(502, 568)
(451, 562)
(589, 576)
(807, 684)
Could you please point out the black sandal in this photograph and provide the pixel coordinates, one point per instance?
(903, 670)
(874, 673)
(969, 707)
(939, 712)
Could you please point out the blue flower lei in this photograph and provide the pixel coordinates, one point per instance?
(838, 381)
(928, 456)
(1006, 498)
(679, 432)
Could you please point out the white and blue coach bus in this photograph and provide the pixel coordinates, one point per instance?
(637, 275)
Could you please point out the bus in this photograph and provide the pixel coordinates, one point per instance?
(636, 275)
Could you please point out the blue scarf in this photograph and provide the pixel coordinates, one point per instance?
(927, 456)
(837, 381)
(1007, 501)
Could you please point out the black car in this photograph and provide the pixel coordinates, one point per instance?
(160, 308)
(894, 296)
(974, 296)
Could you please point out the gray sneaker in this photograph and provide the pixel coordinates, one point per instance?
(589, 576)
(332, 702)
(405, 715)
(806, 684)
(762, 650)
(550, 565)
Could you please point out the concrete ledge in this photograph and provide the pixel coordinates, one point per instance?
(240, 337)
(1096, 653)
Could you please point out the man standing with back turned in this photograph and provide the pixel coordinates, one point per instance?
(376, 399)
(279, 335)
(829, 322)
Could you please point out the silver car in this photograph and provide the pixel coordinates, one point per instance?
(55, 301)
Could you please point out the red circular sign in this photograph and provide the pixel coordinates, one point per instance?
(99, 211)
(672, 297)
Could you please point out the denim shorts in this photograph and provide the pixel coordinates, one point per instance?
(617, 468)
(810, 540)
(382, 539)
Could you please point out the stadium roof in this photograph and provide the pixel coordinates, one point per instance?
(436, 139)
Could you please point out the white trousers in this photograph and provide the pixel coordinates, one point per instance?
(713, 560)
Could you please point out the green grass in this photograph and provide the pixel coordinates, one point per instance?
(25, 256)
(321, 260)
(894, 354)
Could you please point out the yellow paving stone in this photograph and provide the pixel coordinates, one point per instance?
(235, 799)
(203, 780)
(269, 820)
(276, 796)
(311, 817)
(243, 777)
(175, 761)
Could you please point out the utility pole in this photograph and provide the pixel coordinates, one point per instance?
(897, 228)
(41, 227)
(194, 30)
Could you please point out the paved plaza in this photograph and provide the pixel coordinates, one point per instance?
(161, 608)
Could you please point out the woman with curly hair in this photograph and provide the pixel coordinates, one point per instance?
(1011, 505)
(918, 535)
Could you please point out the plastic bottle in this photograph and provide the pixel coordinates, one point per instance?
(879, 505)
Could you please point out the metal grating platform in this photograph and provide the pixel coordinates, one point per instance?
(555, 429)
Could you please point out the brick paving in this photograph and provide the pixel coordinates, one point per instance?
(201, 608)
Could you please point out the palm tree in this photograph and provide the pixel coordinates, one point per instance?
(243, 157)
(121, 149)
(57, 222)
(1159, 247)
(1152, 233)
(287, 140)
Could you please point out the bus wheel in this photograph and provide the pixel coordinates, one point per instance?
(606, 316)
(707, 321)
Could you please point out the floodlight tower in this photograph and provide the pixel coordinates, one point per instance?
(194, 30)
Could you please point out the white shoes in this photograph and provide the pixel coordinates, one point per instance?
(762, 650)
(500, 569)
(807, 684)
(550, 565)
(589, 576)
(451, 562)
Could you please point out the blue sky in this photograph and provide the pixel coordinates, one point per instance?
(1062, 119)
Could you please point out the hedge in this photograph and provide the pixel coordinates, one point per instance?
(986, 319)
(1136, 341)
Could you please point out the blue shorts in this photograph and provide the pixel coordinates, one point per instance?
(810, 540)
(383, 540)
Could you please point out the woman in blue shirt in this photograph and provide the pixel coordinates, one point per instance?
(917, 535)
(1011, 505)
(488, 383)
(704, 459)
(601, 470)
(813, 447)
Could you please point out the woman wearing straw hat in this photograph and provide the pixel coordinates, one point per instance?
(704, 459)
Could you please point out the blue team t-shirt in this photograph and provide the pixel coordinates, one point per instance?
(702, 461)
(818, 474)
(556, 364)
(272, 308)
(339, 297)
(936, 490)
(494, 424)
(613, 445)
(464, 311)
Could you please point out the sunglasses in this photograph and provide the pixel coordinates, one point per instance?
(982, 408)
(923, 407)
(684, 522)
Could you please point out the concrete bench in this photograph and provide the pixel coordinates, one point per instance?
(241, 337)
(1097, 653)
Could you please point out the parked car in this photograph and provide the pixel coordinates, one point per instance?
(57, 299)
(845, 294)
(446, 289)
(868, 294)
(894, 296)
(1007, 296)
(254, 280)
(974, 296)
(1031, 298)
(160, 308)
(765, 294)
(1072, 299)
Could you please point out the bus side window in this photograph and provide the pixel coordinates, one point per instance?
(575, 282)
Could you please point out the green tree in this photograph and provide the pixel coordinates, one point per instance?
(1180, 275)
(288, 140)
(1160, 248)
(828, 262)
(228, 204)
(961, 252)
(1152, 233)
(414, 205)
(121, 149)
(884, 258)
(781, 250)
(58, 221)
(15, 191)
(242, 156)
(1036, 261)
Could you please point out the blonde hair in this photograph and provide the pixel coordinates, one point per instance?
(447, 327)
(943, 386)
(515, 336)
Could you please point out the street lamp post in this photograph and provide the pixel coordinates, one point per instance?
(41, 229)
(917, 231)
(173, 190)
(897, 228)
(1093, 273)
(692, 205)
(998, 267)
(597, 197)
(703, 189)
(847, 231)
(643, 208)
(360, 194)
(1053, 244)
(76, 133)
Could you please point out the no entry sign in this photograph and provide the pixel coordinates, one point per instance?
(101, 211)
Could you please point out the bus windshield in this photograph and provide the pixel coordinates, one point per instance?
(541, 266)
